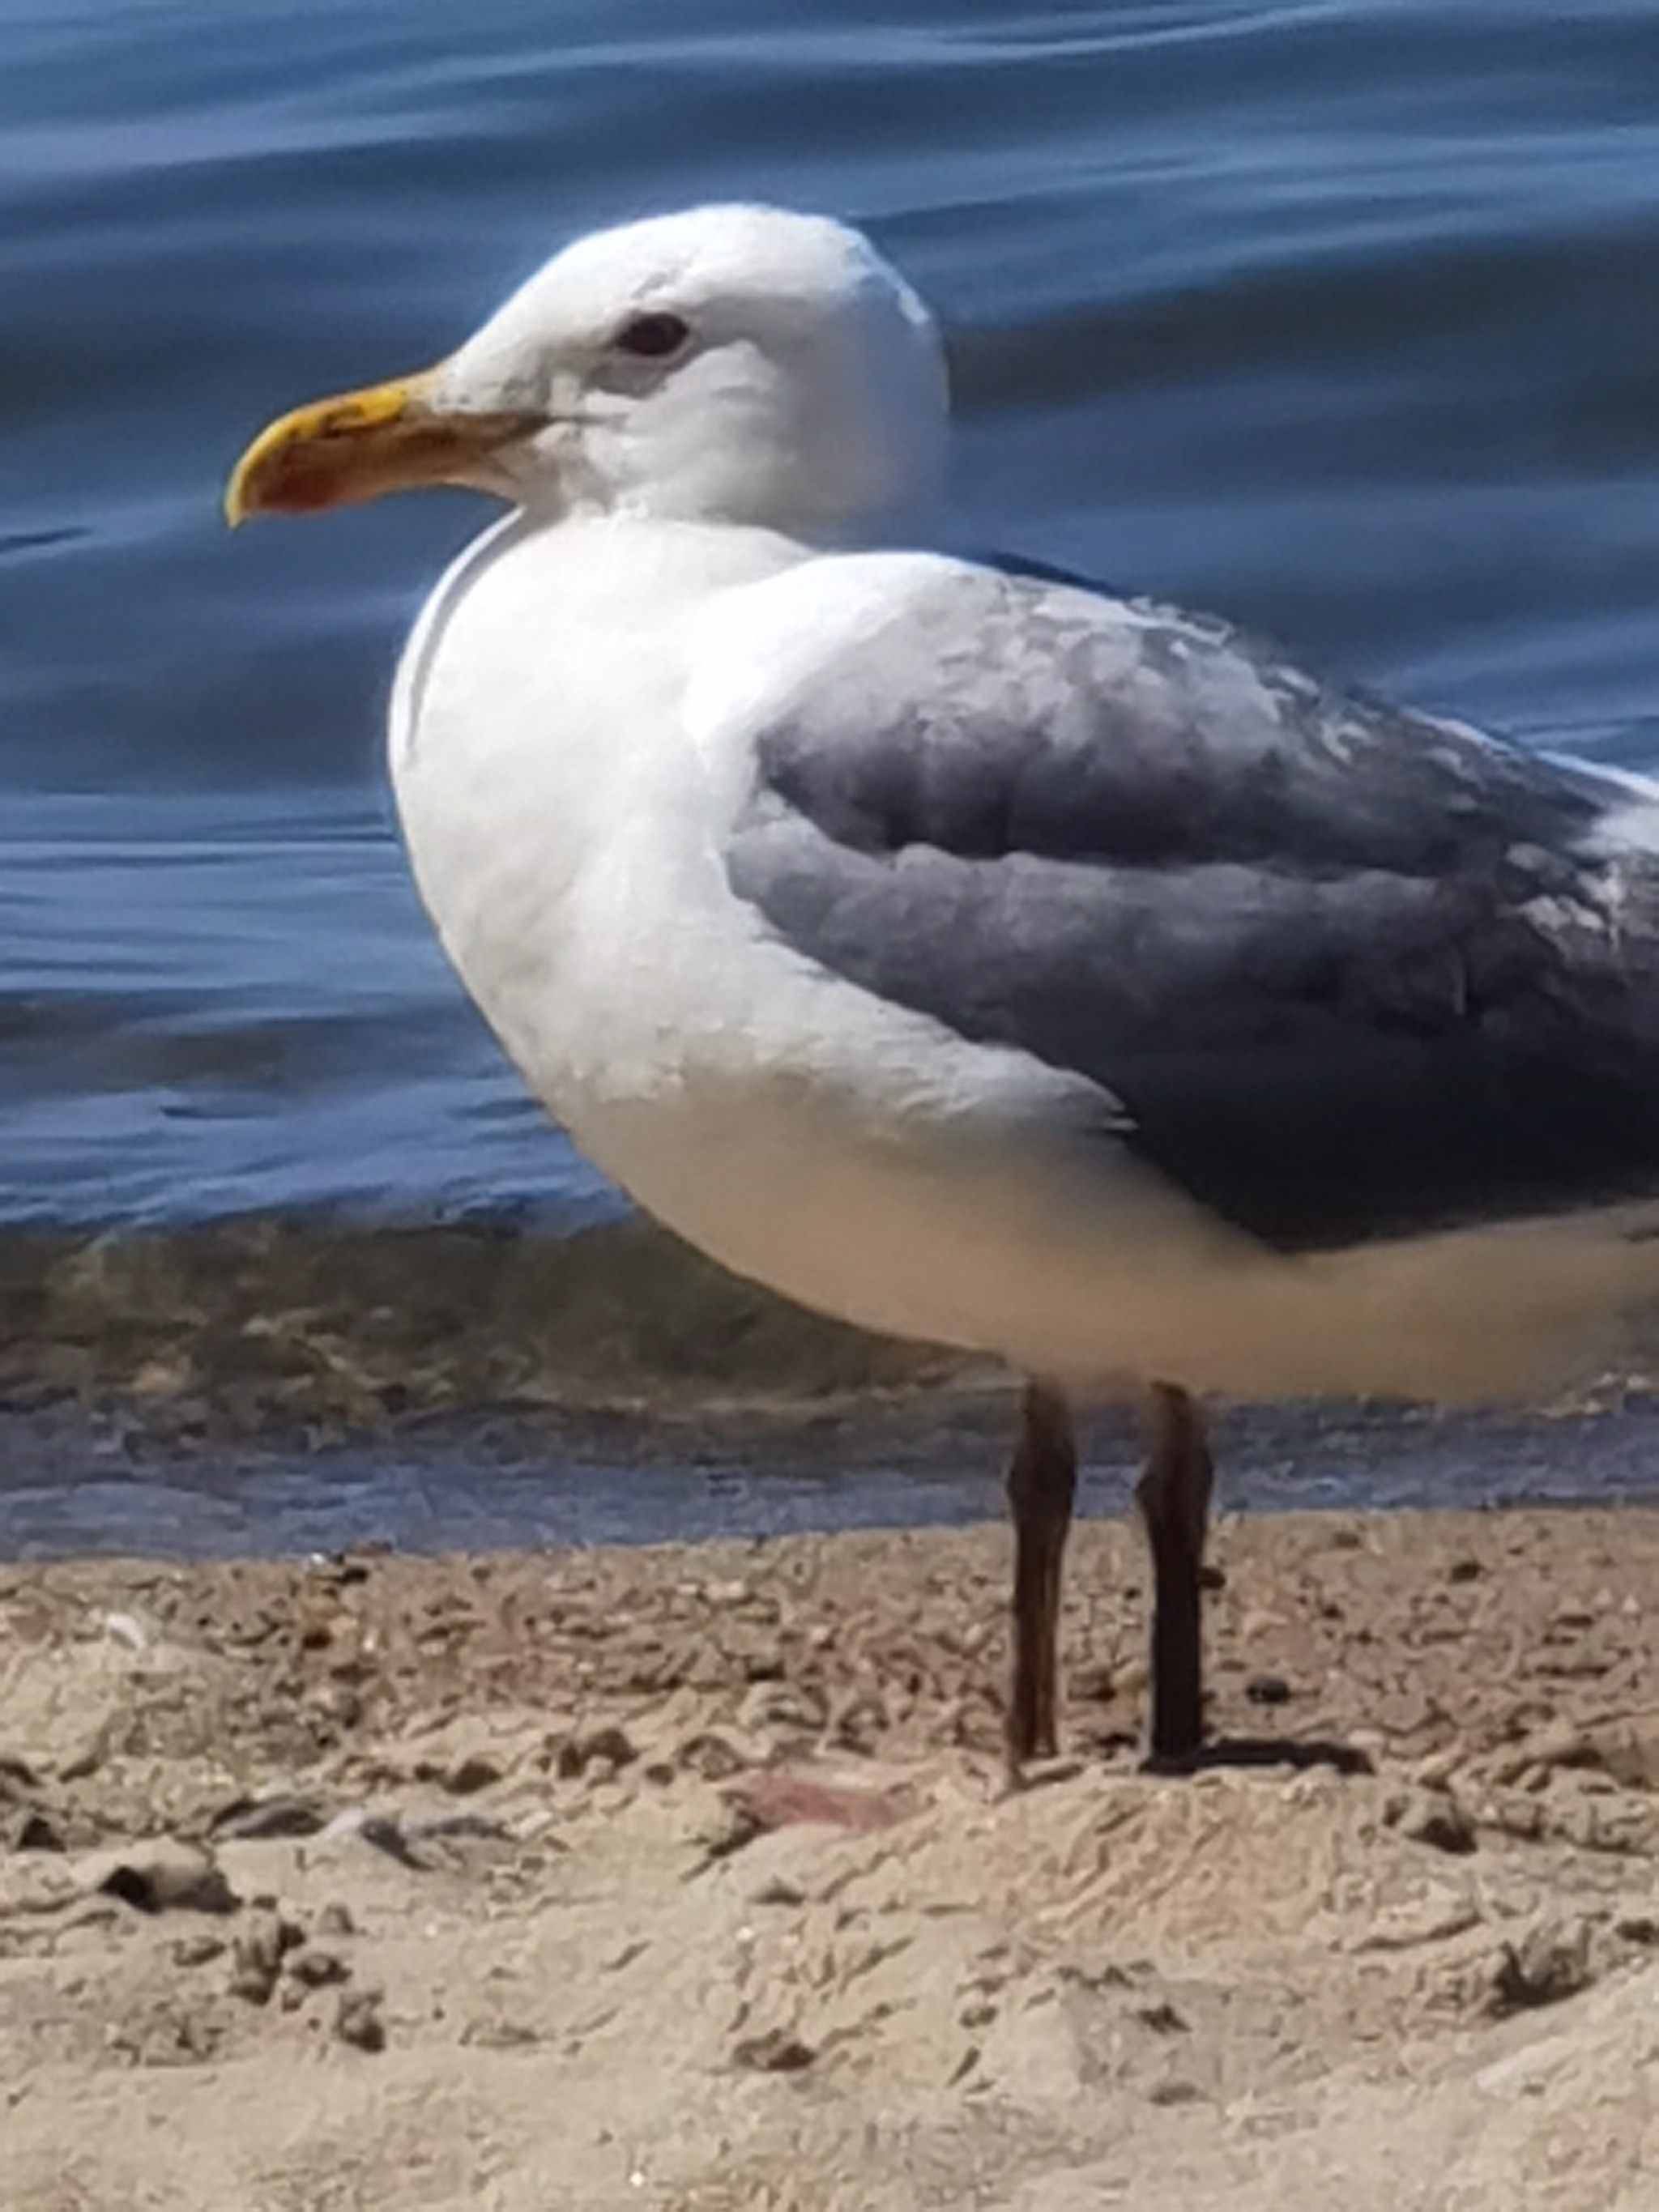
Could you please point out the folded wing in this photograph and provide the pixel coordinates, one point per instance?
(1352, 972)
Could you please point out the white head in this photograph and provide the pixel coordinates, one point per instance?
(727, 364)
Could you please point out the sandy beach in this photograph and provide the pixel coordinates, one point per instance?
(687, 1877)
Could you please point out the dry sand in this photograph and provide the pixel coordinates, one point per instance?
(687, 1878)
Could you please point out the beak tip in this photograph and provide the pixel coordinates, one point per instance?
(354, 446)
(234, 505)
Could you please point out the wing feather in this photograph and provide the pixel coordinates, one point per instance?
(1353, 973)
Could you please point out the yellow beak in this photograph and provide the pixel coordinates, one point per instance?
(360, 445)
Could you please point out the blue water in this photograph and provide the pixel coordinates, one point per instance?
(1340, 318)
(483, 1485)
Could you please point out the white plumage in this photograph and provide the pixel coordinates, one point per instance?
(938, 946)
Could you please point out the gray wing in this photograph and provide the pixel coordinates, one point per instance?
(1353, 973)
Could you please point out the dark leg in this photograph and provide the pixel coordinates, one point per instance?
(1173, 1496)
(1042, 1485)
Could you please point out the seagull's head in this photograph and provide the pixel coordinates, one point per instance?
(725, 364)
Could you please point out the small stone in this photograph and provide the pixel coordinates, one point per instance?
(713, 1755)
(1174, 2092)
(379, 1829)
(26, 1828)
(1436, 1770)
(721, 1827)
(610, 1744)
(1560, 1744)
(1267, 1690)
(270, 1819)
(1432, 1817)
(315, 1969)
(774, 1704)
(859, 1721)
(1047, 1773)
(259, 1954)
(476, 1770)
(776, 2051)
(198, 1950)
(358, 2019)
(335, 1919)
(85, 1760)
(163, 1876)
(454, 1833)
(777, 1890)
(1550, 1962)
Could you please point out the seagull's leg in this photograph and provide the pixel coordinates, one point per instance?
(1042, 1485)
(1173, 1496)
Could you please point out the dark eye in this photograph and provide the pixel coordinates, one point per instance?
(653, 337)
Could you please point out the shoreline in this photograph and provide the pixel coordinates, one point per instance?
(163, 1476)
(685, 1876)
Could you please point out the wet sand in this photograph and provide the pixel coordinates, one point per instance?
(686, 1877)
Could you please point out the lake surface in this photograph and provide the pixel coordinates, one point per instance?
(1338, 319)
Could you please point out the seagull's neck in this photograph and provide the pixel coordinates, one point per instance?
(544, 761)
(548, 669)
(643, 557)
(534, 584)
(630, 551)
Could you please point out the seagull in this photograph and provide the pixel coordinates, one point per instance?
(967, 952)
